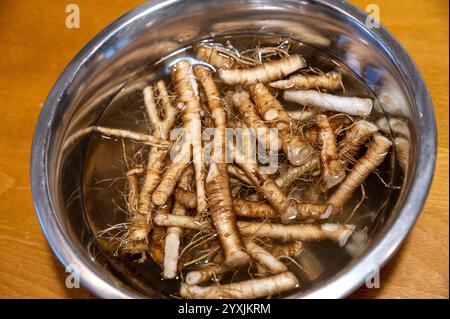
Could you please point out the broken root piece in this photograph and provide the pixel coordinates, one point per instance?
(355, 137)
(266, 72)
(254, 288)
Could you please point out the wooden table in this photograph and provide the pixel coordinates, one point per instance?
(35, 46)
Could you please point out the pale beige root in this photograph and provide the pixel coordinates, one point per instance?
(168, 182)
(293, 232)
(196, 277)
(172, 246)
(119, 133)
(173, 234)
(376, 153)
(157, 235)
(168, 220)
(395, 125)
(295, 211)
(289, 209)
(355, 137)
(243, 103)
(268, 107)
(187, 94)
(266, 72)
(160, 127)
(220, 201)
(252, 209)
(328, 81)
(341, 104)
(297, 149)
(211, 55)
(135, 241)
(153, 169)
(264, 184)
(170, 112)
(402, 147)
(303, 232)
(336, 122)
(293, 173)
(254, 288)
(300, 115)
(186, 87)
(239, 174)
(288, 249)
(333, 168)
(133, 189)
(264, 258)
(306, 211)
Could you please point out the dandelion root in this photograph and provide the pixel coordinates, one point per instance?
(251, 209)
(302, 232)
(266, 72)
(333, 169)
(402, 147)
(295, 172)
(243, 103)
(173, 234)
(328, 81)
(341, 104)
(355, 137)
(160, 128)
(374, 156)
(187, 93)
(217, 181)
(298, 150)
(254, 288)
(119, 133)
(213, 56)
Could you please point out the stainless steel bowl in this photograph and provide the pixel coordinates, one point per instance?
(154, 29)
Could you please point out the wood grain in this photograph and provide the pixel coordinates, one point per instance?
(35, 46)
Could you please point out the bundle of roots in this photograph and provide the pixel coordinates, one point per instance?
(203, 220)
